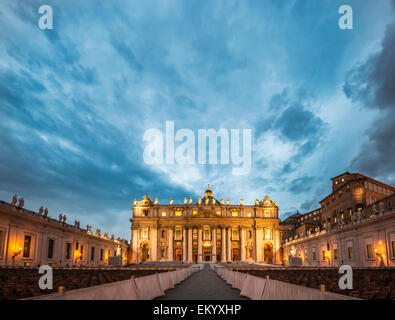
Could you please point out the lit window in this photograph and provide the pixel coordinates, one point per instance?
(369, 251)
(194, 212)
(350, 253)
(335, 182)
(163, 213)
(144, 233)
(342, 179)
(178, 213)
(219, 213)
(235, 214)
(26, 246)
(248, 214)
(268, 234)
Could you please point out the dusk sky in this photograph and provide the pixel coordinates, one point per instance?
(76, 100)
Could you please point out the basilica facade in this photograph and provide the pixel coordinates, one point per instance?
(208, 230)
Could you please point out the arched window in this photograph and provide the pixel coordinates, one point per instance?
(178, 235)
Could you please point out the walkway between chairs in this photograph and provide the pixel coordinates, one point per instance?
(203, 285)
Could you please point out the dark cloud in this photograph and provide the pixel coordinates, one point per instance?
(373, 84)
(300, 185)
(309, 205)
(290, 118)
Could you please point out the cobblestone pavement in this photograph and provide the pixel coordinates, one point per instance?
(203, 285)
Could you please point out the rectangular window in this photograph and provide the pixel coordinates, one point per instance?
(68, 251)
(51, 243)
(163, 213)
(350, 253)
(194, 212)
(335, 254)
(101, 254)
(323, 255)
(178, 213)
(235, 214)
(76, 245)
(314, 256)
(26, 246)
(163, 234)
(218, 213)
(82, 252)
(369, 251)
(248, 214)
(92, 253)
(393, 249)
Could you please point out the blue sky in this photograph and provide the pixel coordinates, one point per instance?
(75, 100)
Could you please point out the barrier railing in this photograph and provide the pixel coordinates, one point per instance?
(142, 288)
(257, 288)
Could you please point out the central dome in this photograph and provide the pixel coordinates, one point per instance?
(208, 193)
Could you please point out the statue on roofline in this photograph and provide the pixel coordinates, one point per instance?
(14, 200)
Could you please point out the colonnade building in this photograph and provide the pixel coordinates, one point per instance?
(208, 230)
(30, 239)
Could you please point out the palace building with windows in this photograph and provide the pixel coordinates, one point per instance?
(208, 230)
(30, 239)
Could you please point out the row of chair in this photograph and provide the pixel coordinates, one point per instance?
(23, 283)
(371, 284)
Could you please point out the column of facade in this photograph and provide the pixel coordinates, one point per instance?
(214, 245)
(190, 242)
(254, 242)
(184, 244)
(223, 243)
(154, 244)
(242, 244)
(259, 244)
(229, 244)
(170, 255)
(277, 245)
(134, 246)
(200, 244)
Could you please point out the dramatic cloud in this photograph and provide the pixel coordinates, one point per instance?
(373, 84)
(76, 100)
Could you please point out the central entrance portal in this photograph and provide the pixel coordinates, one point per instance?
(207, 254)
(178, 254)
(235, 254)
(144, 252)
